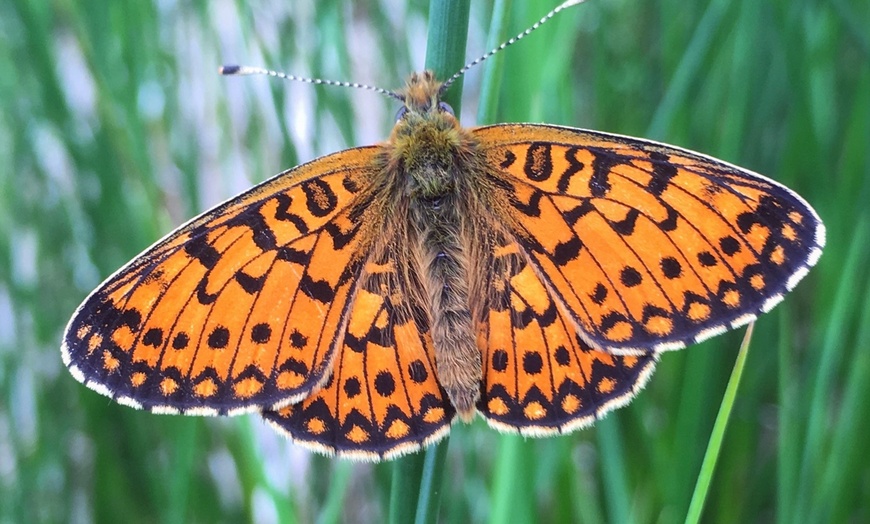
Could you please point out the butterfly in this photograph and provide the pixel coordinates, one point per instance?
(528, 273)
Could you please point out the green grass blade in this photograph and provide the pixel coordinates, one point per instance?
(405, 488)
(714, 446)
(336, 497)
(505, 477)
(493, 68)
(845, 463)
(431, 483)
(445, 53)
(788, 450)
(691, 65)
(445, 48)
(829, 361)
(614, 475)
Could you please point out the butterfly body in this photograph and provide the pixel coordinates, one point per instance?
(438, 221)
(529, 273)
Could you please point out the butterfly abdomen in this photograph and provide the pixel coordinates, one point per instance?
(443, 269)
(436, 230)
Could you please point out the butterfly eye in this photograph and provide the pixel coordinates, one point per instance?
(400, 114)
(445, 107)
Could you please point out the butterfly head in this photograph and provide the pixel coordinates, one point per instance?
(422, 96)
(426, 139)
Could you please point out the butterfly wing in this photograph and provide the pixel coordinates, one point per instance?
(237, 309)
(383, 398)
(648, 246)
(539, 377)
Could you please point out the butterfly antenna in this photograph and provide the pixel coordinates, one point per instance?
(536, 25)
(235, 70)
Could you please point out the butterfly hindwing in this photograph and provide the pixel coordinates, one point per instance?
(648, 246)
(239, 308)
(383, 398)
(539, 377)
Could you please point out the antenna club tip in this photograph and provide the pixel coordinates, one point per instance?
(229, 69)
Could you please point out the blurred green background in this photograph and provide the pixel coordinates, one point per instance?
(115, 127)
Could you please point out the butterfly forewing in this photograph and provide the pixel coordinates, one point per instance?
(240, 308)
(647, 246)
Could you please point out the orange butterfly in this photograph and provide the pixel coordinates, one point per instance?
(529, 273)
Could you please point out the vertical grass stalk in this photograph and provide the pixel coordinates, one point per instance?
(417, 478)
(714, 446)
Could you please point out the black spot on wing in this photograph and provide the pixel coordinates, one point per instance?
(282, 212)
(288, 254)
(531, 208)
(574, 214)
(625, 226)
(340, 238)
(574, 167)
(509, 159)
(539, 161)
(261, 233)
(250, 284)
(153, 337)
(319, 290)
(200, 250)
(602, 164)
(203, 296)
(320, 199)
(565, 252)
(219, 337)
(663, 172)
(670, 222)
